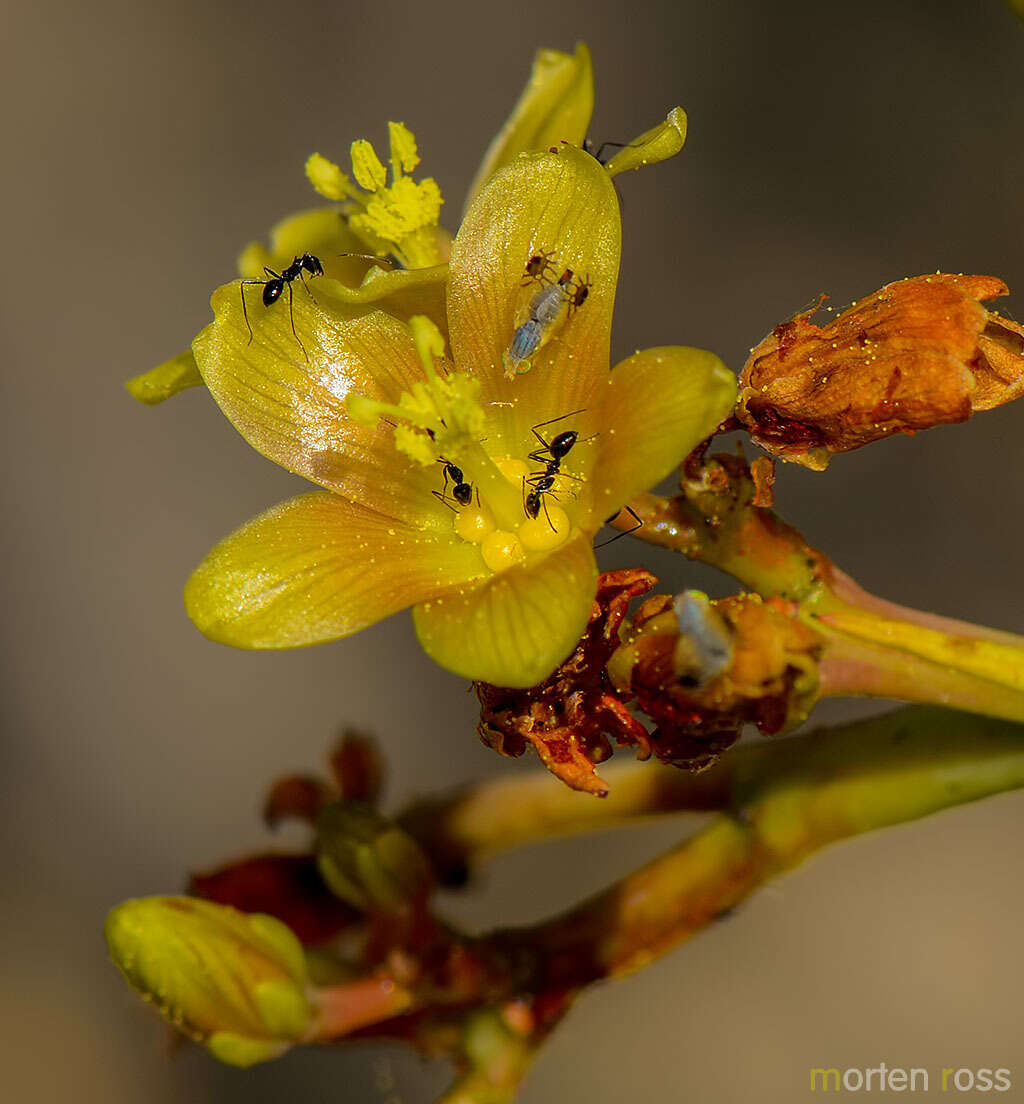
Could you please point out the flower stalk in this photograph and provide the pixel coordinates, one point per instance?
(873, 647)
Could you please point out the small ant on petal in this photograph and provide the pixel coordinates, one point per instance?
(550, 454)
(273, 287)
(462, 491)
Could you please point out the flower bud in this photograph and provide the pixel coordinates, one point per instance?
(234, 982)
(367, 860)
(918, 353)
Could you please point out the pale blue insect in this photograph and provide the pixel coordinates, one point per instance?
(547, 308)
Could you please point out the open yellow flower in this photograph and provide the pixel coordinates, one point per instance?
(378, 417)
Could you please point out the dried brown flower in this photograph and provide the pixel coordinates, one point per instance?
(569, 717)
(918, 353)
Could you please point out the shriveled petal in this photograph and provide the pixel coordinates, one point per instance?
(316, 568)
(559, 204)
(515, 628)
(658, 405)
(654, 145)
(167, 379)
(292, 410)
(555, 106)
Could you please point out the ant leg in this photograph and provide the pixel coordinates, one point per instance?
(291, 315)
(551, 421)
(383, 262)
(617, 145)
(245, 312)
(544, 503)
(625, 532)
(444, 489)
(306, 286)
(441, 498)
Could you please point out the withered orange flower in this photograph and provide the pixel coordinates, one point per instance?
(918, 353)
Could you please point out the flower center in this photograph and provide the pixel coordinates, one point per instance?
(498, 504)
(502, 548)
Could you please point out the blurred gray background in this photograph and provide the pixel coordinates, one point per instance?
(832, 147)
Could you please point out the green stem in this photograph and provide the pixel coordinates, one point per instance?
(812, 791)
(875, 647)
(484, 819)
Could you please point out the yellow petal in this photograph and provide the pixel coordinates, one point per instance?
(167, 379)
(514, 629)
(654, 145)
(293, 410)
(404, 293)
(658, 405)
(322, 231)
(562, 204)
(316, 568)
(555, 106)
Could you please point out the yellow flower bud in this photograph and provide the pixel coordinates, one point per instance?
(367, 860)
(234, 982)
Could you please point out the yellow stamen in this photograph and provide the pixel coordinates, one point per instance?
(400, 218)
(370, 174)
(330, 181)
(404, 155)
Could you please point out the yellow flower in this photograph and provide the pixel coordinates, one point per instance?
(369, 408)
(555, 107)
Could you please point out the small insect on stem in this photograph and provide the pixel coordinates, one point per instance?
(625, 532)
(275, 285)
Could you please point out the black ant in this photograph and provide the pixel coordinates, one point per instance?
(550, 454)
(278, 281)
(625, 532)
(462, 491)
